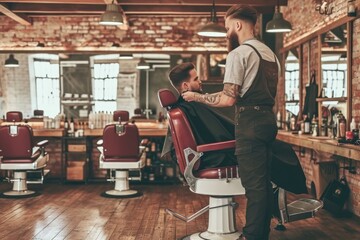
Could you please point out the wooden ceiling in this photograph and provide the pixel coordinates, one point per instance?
(23, 11)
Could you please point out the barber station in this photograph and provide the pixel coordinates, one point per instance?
(180, 120)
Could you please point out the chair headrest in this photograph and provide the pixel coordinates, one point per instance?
(124, 116)
(14, 116)
(166, 97)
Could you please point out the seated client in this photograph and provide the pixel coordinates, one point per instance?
(209, 126)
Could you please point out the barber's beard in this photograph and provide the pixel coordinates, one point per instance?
(232, 41)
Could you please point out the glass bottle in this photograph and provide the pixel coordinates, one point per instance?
(341, 126)
(307, 124)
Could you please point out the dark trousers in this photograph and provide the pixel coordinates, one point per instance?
(255, 132)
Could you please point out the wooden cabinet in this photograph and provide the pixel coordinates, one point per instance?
(76, 158)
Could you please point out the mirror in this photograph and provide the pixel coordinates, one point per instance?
(334, 80)
(292, 81)
(79, 83)
(334, 63)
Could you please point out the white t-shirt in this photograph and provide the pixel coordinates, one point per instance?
(242, 64)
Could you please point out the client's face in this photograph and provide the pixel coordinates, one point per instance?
(194, 83)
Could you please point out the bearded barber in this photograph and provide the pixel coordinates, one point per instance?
(250, 83)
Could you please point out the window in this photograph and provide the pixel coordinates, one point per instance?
(105, 86)
(47, 87)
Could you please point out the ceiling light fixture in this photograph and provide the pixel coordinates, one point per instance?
(112, 16)
(142, 65)
(126, 56)
(11, 61)
(222, 63)
(212, 29)
(278, 24)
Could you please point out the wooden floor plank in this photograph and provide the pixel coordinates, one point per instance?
(77, 211)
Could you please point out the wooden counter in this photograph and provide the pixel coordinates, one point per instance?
(322, 144)
(146, 129)
(41, 132)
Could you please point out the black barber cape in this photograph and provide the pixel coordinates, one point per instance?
(210, 126)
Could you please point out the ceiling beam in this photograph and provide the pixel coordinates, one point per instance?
(93, 9)
(159, 2)
(20, 18)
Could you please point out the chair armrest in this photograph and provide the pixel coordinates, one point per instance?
(42, 143)
(216, 146)
(144, 142)
(141, 150)
(99, 142)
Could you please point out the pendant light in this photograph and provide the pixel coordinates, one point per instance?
(278, 24)
(11, 61)
(222, 63)
(142, 65)
(212, 29)
(126, 56)
(112, 16)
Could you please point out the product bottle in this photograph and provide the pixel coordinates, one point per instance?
(352, 124)
(66, 124)
(341, 126)
(72, 125)
(307, 124)
(315, 127)
(293, 123)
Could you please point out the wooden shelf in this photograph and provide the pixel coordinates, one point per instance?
(339, 99)
(292, 101)
(320, 144)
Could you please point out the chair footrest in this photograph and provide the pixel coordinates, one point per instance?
(36, 176)
(303, 208)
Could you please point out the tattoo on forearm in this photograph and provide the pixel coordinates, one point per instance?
(231, 90)
(209, 99)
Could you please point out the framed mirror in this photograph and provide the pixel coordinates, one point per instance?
(292, 81)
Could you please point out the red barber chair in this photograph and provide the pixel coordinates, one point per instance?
(221, 184)
(121, 151)
(19, 154)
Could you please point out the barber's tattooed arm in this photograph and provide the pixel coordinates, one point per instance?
(226, 97)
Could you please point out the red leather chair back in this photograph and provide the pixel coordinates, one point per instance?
(14, 116)
(121, 146)
(16, 146)
(123, 115)
(181, 132)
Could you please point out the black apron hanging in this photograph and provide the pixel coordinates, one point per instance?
(310, 104)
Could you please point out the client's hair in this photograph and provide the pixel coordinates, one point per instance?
(180, 73)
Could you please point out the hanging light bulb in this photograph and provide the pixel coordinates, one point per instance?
(278, 23)
(212, 29)
(112, 16)
(11, 61)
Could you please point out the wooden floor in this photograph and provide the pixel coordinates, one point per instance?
(77, 211)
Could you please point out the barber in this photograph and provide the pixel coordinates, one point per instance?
(250, 83)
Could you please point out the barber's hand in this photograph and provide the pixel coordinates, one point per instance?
(189, 96)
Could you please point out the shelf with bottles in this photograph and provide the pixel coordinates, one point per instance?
(158, 170)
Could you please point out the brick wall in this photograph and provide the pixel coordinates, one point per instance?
(15, 86)
(299, 15)
(85, 34)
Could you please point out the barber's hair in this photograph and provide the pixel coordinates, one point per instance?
(180, 73)
(242, 12)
